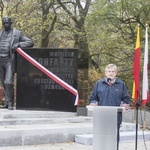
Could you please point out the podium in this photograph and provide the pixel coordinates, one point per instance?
(105, 127)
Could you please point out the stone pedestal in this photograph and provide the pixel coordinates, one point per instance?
(35, 90)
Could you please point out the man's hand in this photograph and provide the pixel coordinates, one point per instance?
(15, 46)
(126, 106)
(93, 104)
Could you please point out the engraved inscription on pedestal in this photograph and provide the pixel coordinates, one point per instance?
(41, 91)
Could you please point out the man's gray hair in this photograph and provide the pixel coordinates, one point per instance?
(111, 66)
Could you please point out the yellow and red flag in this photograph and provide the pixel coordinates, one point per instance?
(136, 69)
(145, 89)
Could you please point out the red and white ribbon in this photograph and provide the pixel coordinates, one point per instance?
(50, 74)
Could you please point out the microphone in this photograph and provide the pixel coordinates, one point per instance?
(109, 81)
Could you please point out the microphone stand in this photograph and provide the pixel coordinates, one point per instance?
(138, 104)
(136, 137)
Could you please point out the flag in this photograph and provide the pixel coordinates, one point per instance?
(136, 69)
(50, 74)
(145, 88)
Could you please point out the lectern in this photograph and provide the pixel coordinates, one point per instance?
(105, 127)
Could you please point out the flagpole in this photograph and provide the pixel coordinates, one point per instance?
(144, 123)
(136, 137)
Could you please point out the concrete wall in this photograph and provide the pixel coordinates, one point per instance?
(143, 117)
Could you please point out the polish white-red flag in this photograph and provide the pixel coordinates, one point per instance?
(145, 89)
(50, 74)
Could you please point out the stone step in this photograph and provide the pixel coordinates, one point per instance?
(130, 136)
(7, 114)
(87, 139)
(29, 121)
(20, 127)
(26, 127)
(15, 135)
(22, 117)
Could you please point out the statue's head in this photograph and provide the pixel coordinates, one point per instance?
(6, 22)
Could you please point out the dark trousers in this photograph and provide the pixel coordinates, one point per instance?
(119, 121)
(118, 135)
(7, 79)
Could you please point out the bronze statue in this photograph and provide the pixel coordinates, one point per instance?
(10, 40)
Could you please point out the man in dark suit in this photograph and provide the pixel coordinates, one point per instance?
(10, 40)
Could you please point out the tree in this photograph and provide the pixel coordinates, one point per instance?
(48, 20)
(1, 7)
(78, 11)
(38, 16)
(114, 24)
